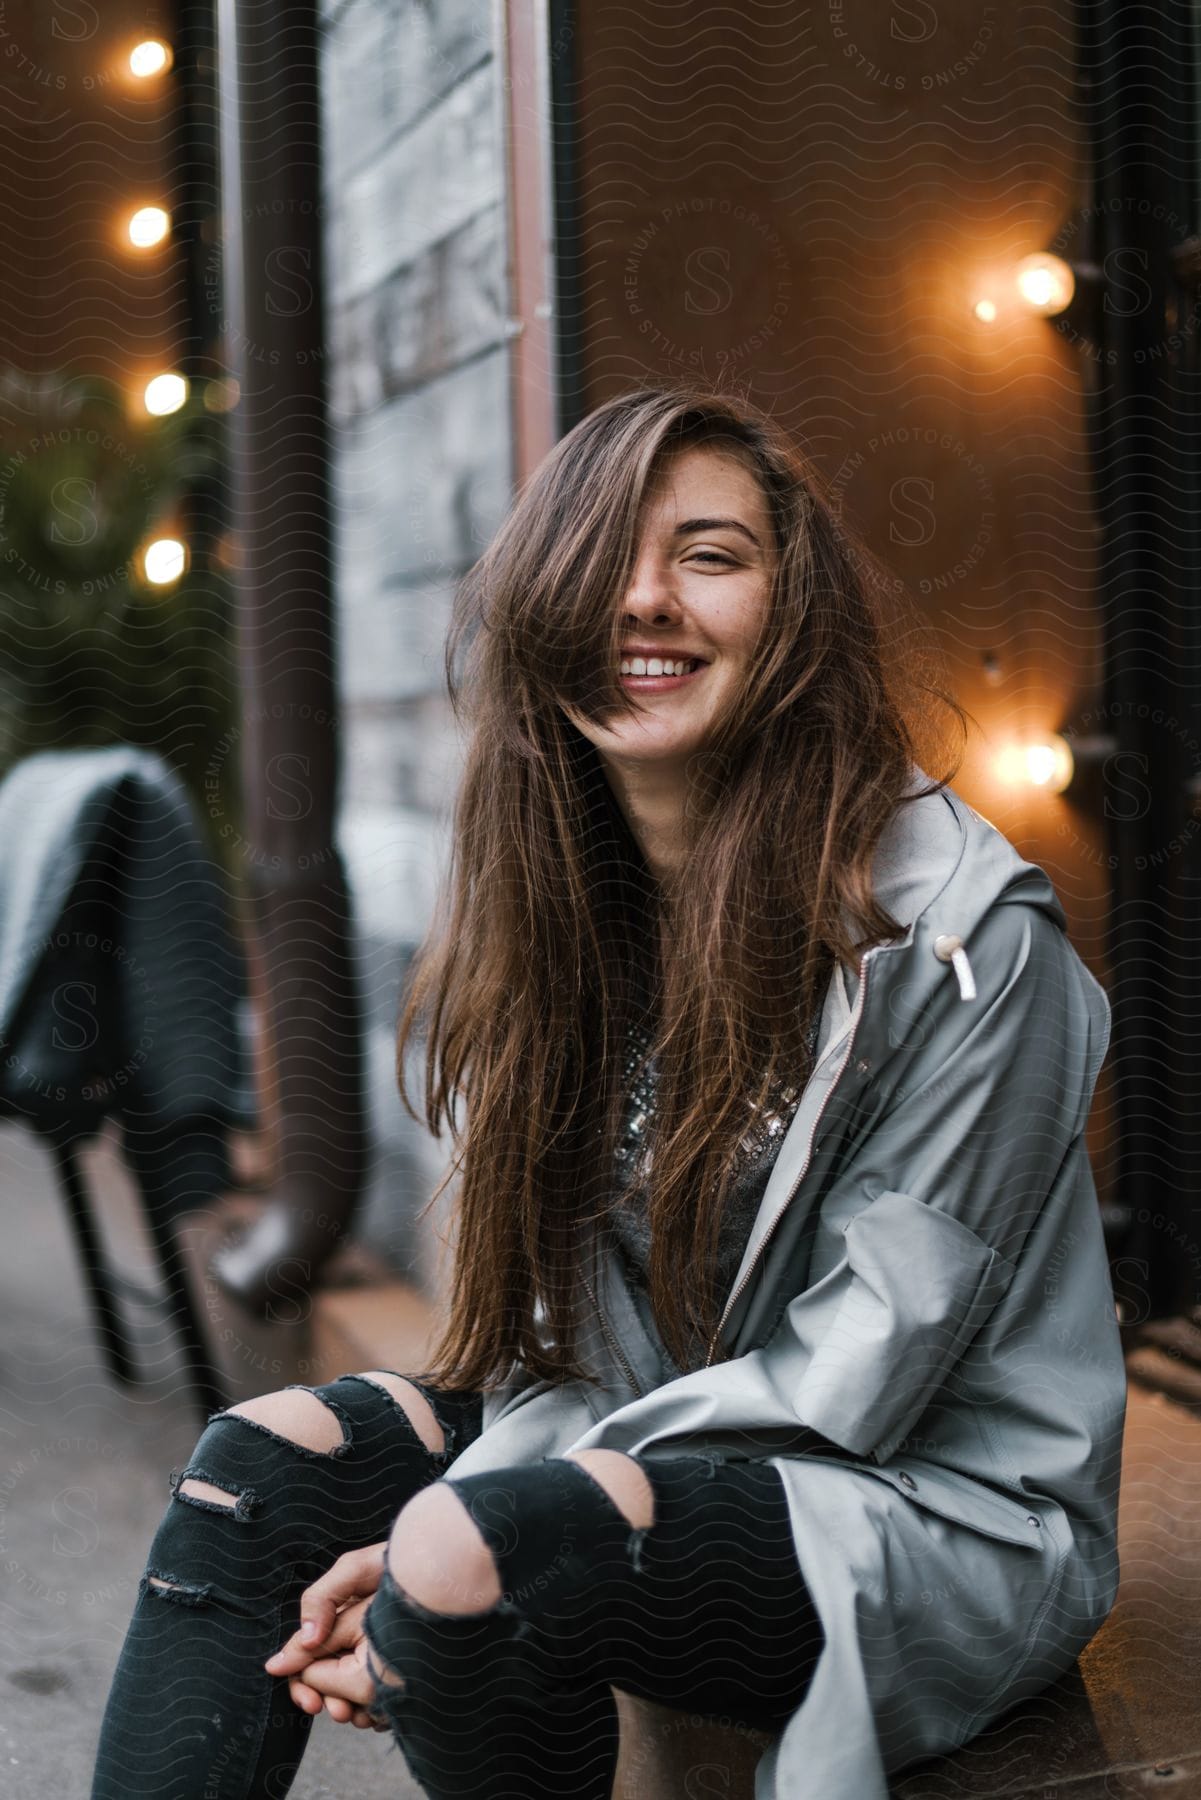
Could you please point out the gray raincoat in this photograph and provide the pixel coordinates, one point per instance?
(925, 1286)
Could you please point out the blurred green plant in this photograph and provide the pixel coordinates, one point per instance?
(91, 652)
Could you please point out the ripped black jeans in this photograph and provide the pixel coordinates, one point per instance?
(704, 1610)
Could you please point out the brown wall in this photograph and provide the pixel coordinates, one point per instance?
(807, 201)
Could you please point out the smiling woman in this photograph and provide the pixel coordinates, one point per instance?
(696, 608)
(689, 854)
(764, 1187)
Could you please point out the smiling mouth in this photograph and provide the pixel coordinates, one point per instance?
(657, 672)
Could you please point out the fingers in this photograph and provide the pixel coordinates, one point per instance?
(343, 1714)
(342, 1685)
(355, 1576)
(343, 1634)
(366, 1721)
(306, 1698)
(292, 1658)
(339, 1710)
(346, 1630)
(343, 1680)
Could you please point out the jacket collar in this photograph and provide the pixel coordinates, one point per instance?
(938, 854)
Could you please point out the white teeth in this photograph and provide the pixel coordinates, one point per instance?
(655, 665)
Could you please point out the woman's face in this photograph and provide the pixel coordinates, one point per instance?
(699, 589)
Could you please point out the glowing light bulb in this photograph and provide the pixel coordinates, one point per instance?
(985, 311)
(149, 58)
(1045, 763)
(222, 394)
(165, 394)
(164, 561)
(1045, 282)
(148, 226)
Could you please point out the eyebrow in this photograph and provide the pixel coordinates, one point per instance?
(688, 526)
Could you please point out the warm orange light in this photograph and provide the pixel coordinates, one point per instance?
(148, 226)
(1043, 762)
(150, 58)
(985, 311)
(164, 561)
(1045, 282)
(165, 394)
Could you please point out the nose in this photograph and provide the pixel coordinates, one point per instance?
(650, 598)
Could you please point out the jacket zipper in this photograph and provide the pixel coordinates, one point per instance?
(790, 1197)
(612, 1341)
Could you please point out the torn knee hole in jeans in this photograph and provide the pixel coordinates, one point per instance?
(637, 1534)
(323, 1420)
(196, 1487)
(172, 1589)
(381, 1379)
(452, 1624)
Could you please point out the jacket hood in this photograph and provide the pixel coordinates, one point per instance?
(939, 855)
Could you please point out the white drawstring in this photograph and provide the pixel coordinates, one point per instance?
(950, 949)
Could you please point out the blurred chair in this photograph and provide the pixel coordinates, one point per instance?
(121, 988)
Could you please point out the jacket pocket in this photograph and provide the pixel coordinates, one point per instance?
(889, 1322)
(964, 1501)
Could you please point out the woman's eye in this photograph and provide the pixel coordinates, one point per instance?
(711, 556)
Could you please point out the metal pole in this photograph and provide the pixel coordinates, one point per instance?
(299, 906)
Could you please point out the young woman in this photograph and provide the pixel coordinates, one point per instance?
(781, 1379)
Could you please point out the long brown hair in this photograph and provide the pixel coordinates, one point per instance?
(546, 944)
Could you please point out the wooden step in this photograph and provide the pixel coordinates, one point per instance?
(389, 1325)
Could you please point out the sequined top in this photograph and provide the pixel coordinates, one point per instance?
(757, 1153)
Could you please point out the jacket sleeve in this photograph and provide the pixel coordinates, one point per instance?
(920, 1232)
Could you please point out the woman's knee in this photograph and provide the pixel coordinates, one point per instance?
(513, 1561)
(296, 1417)
(623, 1479)
(246, 1450)
(297, 1471)
(297, 1414)
(413, 1404)
(312, 1421)
(437, 1555)
(440, 1558)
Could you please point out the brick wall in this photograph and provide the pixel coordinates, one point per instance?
(416, 279)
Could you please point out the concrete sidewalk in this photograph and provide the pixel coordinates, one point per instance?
(83, 1483)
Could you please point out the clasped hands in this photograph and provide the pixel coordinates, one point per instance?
(325, 1659)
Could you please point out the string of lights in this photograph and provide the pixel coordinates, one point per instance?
(163, 559)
